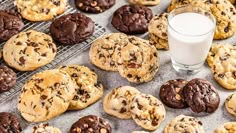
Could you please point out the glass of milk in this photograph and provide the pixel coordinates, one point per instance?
(190, 35)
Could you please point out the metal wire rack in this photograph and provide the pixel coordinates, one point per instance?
(64, 51)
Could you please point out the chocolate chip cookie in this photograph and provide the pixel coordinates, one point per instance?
(230, 104)
(132, 19)
(171, 93)
(103, 49)
(157, 30)
(147, 111)
(9, 123)
(145, 2)
(201, 96)
(94, 6)
(72, 28)
(10, 24)
(92, 124)
(45, 128)
(89, 90)
(42, 10)
(228, 127)
(7, 78)
(117, 102)
(184, 124)
(46, 95)
(29, 50)
(137, 61)
(222, 60)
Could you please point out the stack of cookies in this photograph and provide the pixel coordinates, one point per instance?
(222, 60)
(134, 58)
(73, 87)
(127, 102)
(198, 94)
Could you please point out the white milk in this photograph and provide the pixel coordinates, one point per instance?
(191, 38)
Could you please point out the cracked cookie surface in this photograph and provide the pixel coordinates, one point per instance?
(29, 50)
(222, 61)
(147, 111)
(89, 90)
(42, 98)
(103, 49)
(137, 60)
(72, 28)
(132, 19)
(117, 102)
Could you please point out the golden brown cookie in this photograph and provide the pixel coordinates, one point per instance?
(117, 102)
(40, 10)
(145, 2)
(29, 50)
(46, 95)
(102, 50)
(222, 60)
(229, 127)
(157, 30)
(89, 89)
(137, 61)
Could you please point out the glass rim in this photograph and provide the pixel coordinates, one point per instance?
(185, 6)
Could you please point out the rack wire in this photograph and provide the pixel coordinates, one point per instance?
(64, 52)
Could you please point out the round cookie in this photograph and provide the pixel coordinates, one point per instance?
(201, 96)
(94, 6)
(72, 28)
(29, 50)
(42, 98)
(42, 10)
(132, 19)
(137, 61)
(184, 124)
(117, 102)
(223, 10)
(229, 127)
(7, 78)
(157, 29)
(222, 60)
(45, 128)
(9, 123)
(171, 93)
(230, 104)
(147, 111)
(89, 89)
(225, 14)
(92, 124)
(145, 2)
(10, 24)
(102, 50)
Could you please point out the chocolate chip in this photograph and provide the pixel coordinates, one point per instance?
(22, 60)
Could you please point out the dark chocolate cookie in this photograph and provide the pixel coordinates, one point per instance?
(9, 123)
(201, 96)
(94, 6)
(72, 28)
(132, 19)
(171, 93)
(91, 124)
(10, 24)
(7, 78)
